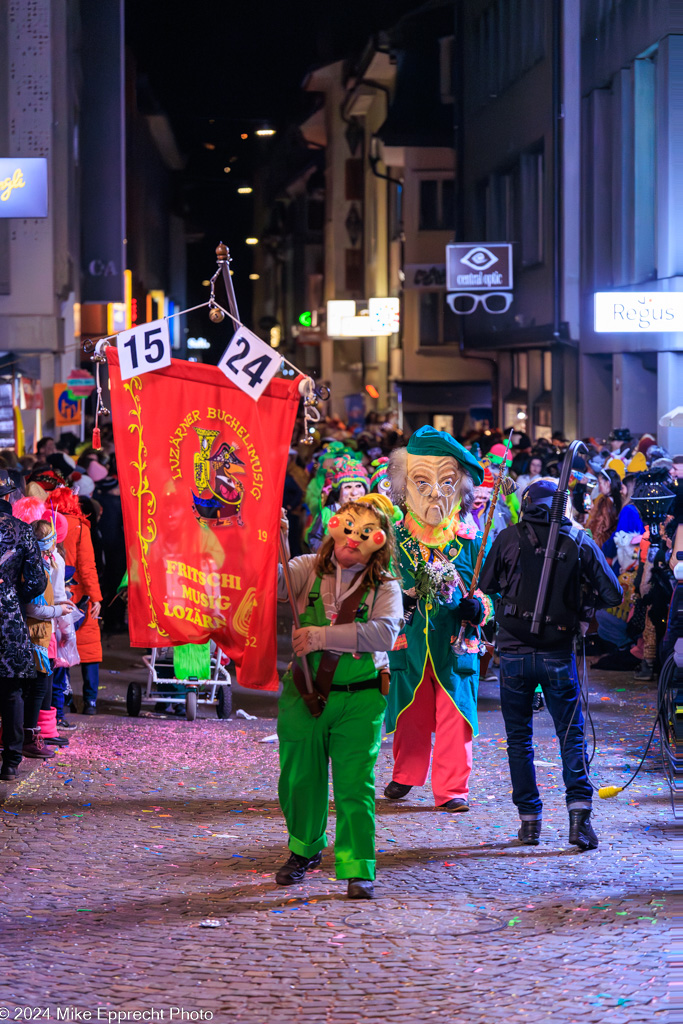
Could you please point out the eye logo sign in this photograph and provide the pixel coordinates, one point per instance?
(479, 258)
(478, 267)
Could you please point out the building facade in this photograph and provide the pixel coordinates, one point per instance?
(40, 256)
(552, 126)
(384, 121)
(107, 249)
(516, 90)
(632, 208)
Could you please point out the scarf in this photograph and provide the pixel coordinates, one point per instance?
(433, 536)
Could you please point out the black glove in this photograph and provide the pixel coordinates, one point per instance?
(471, 610)
(409, 606)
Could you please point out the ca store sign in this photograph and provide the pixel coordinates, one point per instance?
(634, 312)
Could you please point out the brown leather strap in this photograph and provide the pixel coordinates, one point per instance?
(328, 662)
(315, 702)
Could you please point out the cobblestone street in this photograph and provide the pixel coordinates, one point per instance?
(115, 852)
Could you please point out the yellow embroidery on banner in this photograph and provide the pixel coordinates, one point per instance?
(146, 499)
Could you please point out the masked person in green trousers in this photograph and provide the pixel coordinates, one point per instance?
(351, 610)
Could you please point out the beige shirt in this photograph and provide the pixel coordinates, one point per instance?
(385, 617)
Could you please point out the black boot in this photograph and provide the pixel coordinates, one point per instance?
(396, 791)
(360, 889)
(8, 773)
(581, 832)
(530, 832)
(295, 868)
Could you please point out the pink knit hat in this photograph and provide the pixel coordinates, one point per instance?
(96, 471)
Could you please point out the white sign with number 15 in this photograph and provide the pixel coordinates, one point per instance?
(147, 347)
(249, 363)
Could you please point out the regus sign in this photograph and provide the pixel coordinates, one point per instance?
(656, 312)
(23, 187)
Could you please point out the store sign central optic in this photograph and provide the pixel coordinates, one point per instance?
(479, 275)
(479, 267)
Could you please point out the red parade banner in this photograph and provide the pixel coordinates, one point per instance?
(201, 468)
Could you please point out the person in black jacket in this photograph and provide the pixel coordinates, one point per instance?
(582, 581)
(22, 578)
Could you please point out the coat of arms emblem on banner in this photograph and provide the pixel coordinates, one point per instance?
(217, 471)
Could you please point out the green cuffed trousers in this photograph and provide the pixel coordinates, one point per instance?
(348, 733)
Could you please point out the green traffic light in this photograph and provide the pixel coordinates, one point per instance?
(305, 319)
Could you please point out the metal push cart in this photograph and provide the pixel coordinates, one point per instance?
(161, 679)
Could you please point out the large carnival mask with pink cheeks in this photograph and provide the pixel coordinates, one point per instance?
(433, 487)
(359, 531)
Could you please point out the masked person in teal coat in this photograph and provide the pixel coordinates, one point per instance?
(434, 688)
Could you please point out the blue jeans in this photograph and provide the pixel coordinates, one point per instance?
(91, 681)
(556, 673)
(59, 679)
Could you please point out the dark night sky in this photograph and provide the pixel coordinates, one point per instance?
(218, 69)
(244, 60)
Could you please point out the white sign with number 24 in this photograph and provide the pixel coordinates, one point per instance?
(249, 363)
(145, 348)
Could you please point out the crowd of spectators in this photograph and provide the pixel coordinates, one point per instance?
(62, 553)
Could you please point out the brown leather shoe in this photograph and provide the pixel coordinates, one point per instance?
(360, 889)
(34, 746)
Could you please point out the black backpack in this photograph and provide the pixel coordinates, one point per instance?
(564, 602)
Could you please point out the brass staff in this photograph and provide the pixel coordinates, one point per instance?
(295, 612)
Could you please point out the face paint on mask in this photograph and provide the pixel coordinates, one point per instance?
(481, 496)
(433, 487)
(357, 535)
(349, 492)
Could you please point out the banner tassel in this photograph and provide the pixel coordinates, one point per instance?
(98, 358)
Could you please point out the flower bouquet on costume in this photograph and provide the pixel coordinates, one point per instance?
(436, 582)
